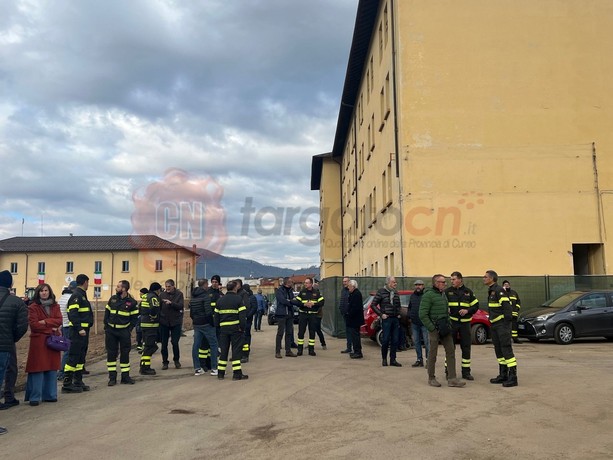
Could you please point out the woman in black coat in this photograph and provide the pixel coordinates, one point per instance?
(355, 318)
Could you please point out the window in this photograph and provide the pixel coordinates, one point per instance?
(69, 267)
(41, 267)
(594, 301)
(372, 75)
(125, 266)
(388, 192)
(387, 97)
(98, 266)
(385, 24)
(373, 207)
(380, 42)
(158, 265)
(97, 292)
(361, 160)
(372, 134)
(13, 267)
(392, 268)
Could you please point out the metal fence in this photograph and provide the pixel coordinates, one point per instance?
(532, 290)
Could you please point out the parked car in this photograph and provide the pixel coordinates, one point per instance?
(480, 326)
(572, 315)
(271, 313)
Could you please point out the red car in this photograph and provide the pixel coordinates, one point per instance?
(479, 324)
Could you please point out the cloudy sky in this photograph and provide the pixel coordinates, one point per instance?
(192, 120)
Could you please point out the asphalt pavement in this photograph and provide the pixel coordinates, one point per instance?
(330, 406)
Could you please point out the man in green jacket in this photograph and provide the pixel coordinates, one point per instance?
(434, 313)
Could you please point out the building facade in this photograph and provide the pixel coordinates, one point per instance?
(470, 136)
(57, 260)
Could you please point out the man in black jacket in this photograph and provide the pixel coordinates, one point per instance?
(343, 307)
(419, 331)
(13, 322)
(386, 304)
(285, 318)
(171, 321)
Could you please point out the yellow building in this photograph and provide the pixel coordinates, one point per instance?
(472, 135)
(57, 260)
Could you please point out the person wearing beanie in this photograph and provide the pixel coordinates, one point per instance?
(13, 322)
(149, 323)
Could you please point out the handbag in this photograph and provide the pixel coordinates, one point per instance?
(443, 327)
(58, 342)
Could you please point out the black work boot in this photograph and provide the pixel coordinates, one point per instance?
(112, 378)
(502, 377)
(466, 375)
(384, 362)
(145, 370)
(300, 348)
(68, 386)
(312, 350)
(512, 378)
(126, 379)
(78, 381)
(221, 374)
(238, 375)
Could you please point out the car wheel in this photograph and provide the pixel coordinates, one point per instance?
(478, 333)
(379, 336)
(564, 334)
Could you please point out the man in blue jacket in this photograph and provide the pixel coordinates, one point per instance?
(285, 318)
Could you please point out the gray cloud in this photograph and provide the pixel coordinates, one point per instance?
(100, 99)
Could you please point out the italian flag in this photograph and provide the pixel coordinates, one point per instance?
(98, 278)
(41, 278)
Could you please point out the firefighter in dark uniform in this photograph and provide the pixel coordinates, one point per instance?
(80, 320)
(516, 305)
(120, 317)
(309, 300)
(149, 323)
(231, 316)
(462, 306)
(139, 332)
(215, 293)
(251, 303)
(500, 314)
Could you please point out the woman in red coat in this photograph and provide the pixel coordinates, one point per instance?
(45, 319)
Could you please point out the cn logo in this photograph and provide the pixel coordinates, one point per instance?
(183, 208)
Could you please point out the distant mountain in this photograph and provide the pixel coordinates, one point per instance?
(210, 263)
